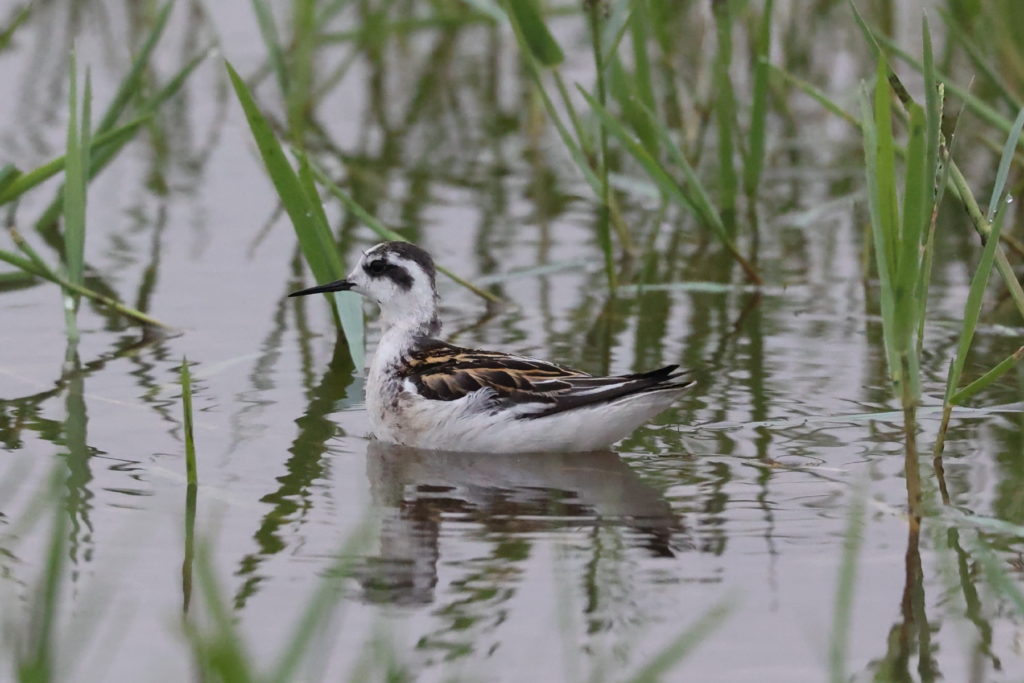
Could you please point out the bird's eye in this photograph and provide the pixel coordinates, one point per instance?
(376, 267)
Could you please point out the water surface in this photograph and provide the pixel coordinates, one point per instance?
(478, 567)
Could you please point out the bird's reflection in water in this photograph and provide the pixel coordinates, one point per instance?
(509, 495)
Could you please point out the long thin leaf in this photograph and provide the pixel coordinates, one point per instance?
(528, 21)
(311, 229)
(374, 224)
(272, 41)
(695, 201)
(349, 305)
(20, 17)
(8, 174)
(129, 85)
(76, 173)
(30, 179)
(300, 86)
(670, 656)
(869, 128)
(988, 378)
(975, 295)
(985, 112)
(103, 155)
(759, 103)
(725, 114)
(1005, 161)
(30, 267)
(189, 429)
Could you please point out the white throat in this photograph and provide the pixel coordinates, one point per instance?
(410, 318)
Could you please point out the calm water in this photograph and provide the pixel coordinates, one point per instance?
(539, 567)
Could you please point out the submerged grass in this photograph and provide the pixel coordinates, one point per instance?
(37, 645)
(682, 645)
(842, 615)
(220, 650)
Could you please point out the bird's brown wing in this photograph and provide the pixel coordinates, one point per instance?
(443, 372)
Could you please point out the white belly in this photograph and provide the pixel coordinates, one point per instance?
(402, 417)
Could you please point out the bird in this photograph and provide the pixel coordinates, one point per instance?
(425, 393)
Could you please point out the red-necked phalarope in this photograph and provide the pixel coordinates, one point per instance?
(426, 393)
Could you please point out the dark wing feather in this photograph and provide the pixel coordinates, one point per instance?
(443, 372)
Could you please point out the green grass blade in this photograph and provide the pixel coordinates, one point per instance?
(725, 114)
(817, 95)
(669, 657)
(527, 20)
(932, 103)
(694, 199)
(20, 17)
(615, 24)
(578, 147)
(988, 378)
(972, 308)
(976, 293)
(188, 425)
(937, 178)
(885, 169)
(958, 33)
(129, 86)
(869, 35)
(374, 224)
(102, 156)
(1002, 583)
(219, 651)
(298, 97)
(349, 305)
(323, 601)
(272, 41)
(917, 213)
(984, 111)
(8, 174)
(640, 38)
(879, 238)
(661, 177)
(1005, 161)
(630, 101)
(604, 234)
(76, 174)
(488, 8)
(29, 266)
(759, 104)
(26, 181)
(24, 264)
(311, 228)
(317, 246)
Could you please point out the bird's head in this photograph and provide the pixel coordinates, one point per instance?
(399, 277)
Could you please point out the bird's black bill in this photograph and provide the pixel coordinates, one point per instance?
(336, 286)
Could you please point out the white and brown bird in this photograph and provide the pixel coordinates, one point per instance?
(426, 393)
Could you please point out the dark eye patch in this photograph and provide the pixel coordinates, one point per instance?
(397, 274)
